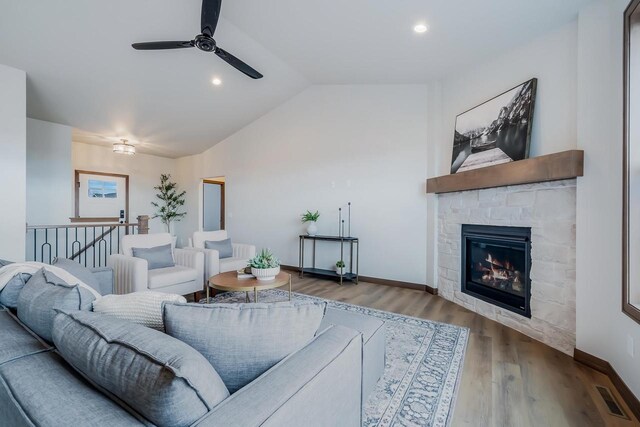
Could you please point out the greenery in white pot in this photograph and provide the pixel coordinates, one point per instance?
(340, 267)
(169, 201)
(311, 218)
(265, 265)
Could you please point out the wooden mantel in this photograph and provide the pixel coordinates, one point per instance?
(552, 167)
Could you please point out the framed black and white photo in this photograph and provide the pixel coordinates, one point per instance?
(496, 131)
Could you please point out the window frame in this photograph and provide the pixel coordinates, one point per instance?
(628, 308)
(77, 218)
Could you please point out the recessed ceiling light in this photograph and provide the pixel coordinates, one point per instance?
(420, 28)
(216, 81)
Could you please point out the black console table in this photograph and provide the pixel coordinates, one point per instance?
(352, 242)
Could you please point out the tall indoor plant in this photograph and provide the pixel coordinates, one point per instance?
(169, 201)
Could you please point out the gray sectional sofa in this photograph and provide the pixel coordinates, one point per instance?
(322, 384)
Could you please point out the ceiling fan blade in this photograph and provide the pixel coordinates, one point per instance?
(210, 16)
(238, 64)
(161, 45)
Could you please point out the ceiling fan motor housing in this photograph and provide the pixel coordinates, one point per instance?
(205, 43)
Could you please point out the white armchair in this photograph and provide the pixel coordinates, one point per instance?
(133, 275)
(213, 264)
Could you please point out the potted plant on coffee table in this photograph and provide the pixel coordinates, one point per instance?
(265, 266)
(311, 218)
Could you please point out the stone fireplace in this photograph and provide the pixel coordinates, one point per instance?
(532, 224)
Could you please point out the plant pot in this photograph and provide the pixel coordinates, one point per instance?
(265, 274)
(341, 271)
(312, 229)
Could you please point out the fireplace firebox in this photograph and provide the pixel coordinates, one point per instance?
(496, 262)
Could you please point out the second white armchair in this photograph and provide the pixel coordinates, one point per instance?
(132, 274)
(213, 264)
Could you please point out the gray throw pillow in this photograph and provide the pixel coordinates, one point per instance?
(157, 257)
(224, 247)
(160, 377)
(242, 341)
(42, 295)
(79, 271)
(10, 292)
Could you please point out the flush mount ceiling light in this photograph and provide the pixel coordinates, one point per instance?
(124, 148)
(420, 28)
(216, 81)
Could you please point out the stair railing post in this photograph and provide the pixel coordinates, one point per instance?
(143, 224)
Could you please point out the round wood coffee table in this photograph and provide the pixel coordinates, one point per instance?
(229, 282)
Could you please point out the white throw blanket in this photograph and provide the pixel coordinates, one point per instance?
(8, 272)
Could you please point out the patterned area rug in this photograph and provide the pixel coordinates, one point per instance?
(423, 367)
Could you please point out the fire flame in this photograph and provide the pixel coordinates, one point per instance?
(499, 271)
(495, 262)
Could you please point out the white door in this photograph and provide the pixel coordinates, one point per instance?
(213, 206)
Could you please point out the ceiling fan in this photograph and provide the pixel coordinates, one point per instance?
(204, 41)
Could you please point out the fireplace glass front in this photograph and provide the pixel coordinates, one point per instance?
(495, 264)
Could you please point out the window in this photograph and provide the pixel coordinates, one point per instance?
(101, 197)
(103, 189)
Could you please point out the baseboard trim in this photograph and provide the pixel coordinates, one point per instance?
(399, 284)
(605, 367)
(386, 282)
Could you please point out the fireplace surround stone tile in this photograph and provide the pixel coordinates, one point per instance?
(550, 210)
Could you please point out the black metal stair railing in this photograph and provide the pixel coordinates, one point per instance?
(88, 244)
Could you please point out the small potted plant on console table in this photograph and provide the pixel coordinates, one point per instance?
(265, 266)
(311, 218)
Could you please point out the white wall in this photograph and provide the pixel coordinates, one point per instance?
(552, 59)
(323, 148)
(49, 173)
(13, 142)
(602, 328)
(579, 105)
(144, 173)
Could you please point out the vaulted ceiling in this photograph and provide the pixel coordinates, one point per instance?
(83, 72)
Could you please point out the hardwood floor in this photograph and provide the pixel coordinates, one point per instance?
(509, 379)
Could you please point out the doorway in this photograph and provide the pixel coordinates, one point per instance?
(213, 204)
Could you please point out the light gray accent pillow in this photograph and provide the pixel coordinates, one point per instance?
(78, 270)
(160, 377)
(157, 257)
(242, 341)
(42, 295)
(224, 247)
(11, 291)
